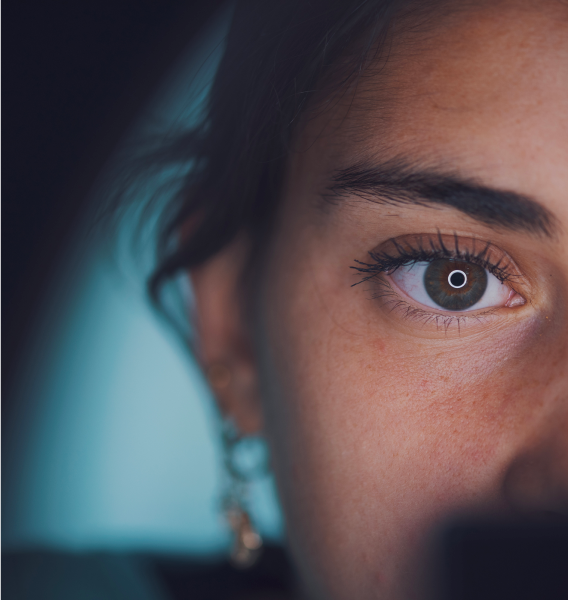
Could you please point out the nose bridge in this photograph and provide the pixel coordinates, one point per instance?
(537, 479)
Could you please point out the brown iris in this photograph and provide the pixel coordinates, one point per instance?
(455, 284)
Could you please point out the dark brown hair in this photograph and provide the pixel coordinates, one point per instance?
(278, 55)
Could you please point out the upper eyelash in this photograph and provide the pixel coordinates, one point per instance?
(383, 262)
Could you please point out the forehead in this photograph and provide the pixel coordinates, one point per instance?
(481, 88)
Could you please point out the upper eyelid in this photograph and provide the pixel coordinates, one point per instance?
(424, 248)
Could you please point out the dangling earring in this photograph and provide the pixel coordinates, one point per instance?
(247, 543)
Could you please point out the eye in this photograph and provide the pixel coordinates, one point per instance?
(453, 285)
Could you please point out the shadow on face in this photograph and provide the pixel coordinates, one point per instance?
(394, 397)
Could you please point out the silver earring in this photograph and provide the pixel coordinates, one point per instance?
(242, 466)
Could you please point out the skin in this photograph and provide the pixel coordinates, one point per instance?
(382, 427)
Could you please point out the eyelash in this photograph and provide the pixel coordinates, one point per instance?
(384, 262)
(411, 253)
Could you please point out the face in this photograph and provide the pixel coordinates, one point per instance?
(410, 349)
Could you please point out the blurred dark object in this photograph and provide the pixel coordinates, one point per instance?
(37, 575)
(75, 75)
(270, 578)
(525, 560)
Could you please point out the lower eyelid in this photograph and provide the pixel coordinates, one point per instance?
(442, 321)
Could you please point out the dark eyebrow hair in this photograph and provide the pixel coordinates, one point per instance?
(399, 183)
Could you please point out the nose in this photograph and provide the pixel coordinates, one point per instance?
(536, 482)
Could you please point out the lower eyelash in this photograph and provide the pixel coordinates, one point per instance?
(442, 322)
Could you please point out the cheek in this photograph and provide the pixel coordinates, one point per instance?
(375, 439)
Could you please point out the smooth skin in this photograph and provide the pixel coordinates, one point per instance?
(381, 426)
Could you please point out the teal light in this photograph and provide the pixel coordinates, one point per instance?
(116, 442)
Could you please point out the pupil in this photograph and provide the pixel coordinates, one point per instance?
(457, 279)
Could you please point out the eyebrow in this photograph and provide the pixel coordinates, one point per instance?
(398, 183)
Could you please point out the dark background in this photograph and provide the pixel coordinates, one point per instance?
(75, 75)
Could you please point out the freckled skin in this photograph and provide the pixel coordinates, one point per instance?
(379, 430)
(380, 427)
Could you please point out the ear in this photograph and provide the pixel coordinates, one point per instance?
(224, 343)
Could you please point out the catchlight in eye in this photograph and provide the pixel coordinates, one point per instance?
(457, 279)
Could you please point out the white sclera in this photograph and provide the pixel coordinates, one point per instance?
(410, 280)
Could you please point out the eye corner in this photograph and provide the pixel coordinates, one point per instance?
(515, 299)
